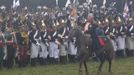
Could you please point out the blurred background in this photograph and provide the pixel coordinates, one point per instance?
(52, 3)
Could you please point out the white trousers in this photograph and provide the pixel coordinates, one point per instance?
(130, 43)
(114, 43)
(43, 53)
(72, 49)
(5, 53)
(53, 50)
(62, 50)
(121, 44)
(34, 50)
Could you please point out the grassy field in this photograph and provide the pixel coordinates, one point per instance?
(123, 66)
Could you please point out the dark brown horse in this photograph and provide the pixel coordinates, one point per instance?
(84, 46)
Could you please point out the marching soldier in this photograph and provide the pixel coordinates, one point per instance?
(107, 27)
(130, 37)
(34, 38)
(113, 34)
(10, 47)
(43, 54)
(62, 37)
(72, 49)
(121, 29)
(2, 43)
(22, 42)
(53, 45)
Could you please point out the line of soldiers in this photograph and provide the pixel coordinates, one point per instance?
(35, 38)
(120, 34)
(43, 45)
(42, 36)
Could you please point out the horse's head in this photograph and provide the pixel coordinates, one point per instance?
(75, 32)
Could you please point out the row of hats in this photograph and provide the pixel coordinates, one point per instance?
(118, 19)
(38, 7)
(55, 23)
(42, 7)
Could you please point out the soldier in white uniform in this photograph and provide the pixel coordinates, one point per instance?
(113, 35)
(43, 54)
(62, 37)
(121, 44)
(72, 51)
(35, 45)
(130, 37)
(53, 46)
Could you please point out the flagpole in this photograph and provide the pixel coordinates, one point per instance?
(131, 8)
(16, 4)
(57, 4)
(67, 3)
(126, 12)
(104, 3)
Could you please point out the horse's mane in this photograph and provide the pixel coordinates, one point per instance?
(82, 39)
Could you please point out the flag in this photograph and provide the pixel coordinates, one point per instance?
(131, 2)
(104, 3)
(76, 2)
(16, 3)
(126, 13)
(89, 1)
(57, 4)
(131, 7)
(67, 3)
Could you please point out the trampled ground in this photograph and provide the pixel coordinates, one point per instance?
(123, 66)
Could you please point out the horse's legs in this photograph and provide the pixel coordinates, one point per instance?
(101, 64)
(100, 67)
(110, 64)
(80, 67)
(86, 69)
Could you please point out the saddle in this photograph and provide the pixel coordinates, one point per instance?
(101, 41)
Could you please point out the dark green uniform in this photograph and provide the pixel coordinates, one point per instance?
(1, 49)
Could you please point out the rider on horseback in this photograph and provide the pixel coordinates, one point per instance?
(100, 34)
(95, 31)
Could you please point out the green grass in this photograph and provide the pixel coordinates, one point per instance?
(123, 66)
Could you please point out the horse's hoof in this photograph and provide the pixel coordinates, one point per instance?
(99, 73)
(80, 73)
(86, 73)
(110, 73)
